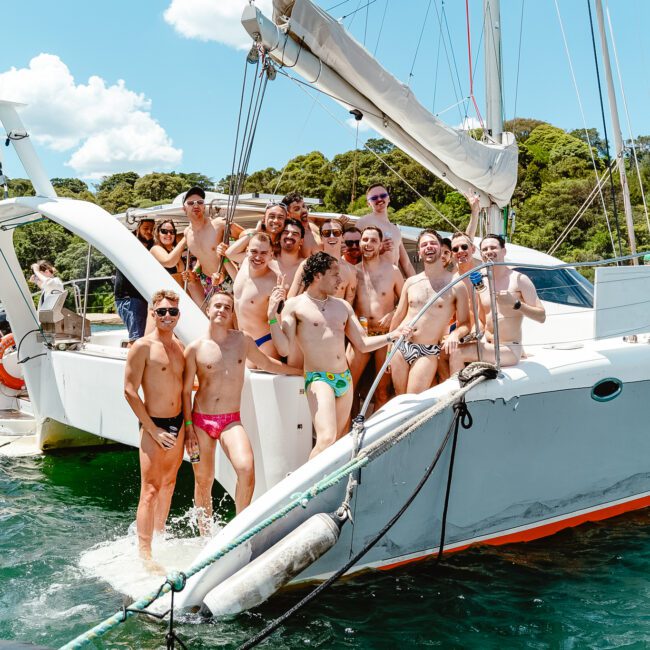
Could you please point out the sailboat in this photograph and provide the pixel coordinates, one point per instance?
(555, 441)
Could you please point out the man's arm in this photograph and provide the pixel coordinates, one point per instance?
(351, 289)
(283, 327)
(402, 307)
(475, 206)
(405, 262)
(136, 362)
(264, 362)
(309, 243)
(357, 338)
(462, 318)
(297, 287)
(237, 251)
(531, 307)
(189, 374)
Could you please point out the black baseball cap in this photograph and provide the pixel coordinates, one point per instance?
(199, 191)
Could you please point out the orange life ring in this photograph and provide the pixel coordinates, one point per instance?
(8, 380)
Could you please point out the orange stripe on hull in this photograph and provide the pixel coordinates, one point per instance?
(542, 530)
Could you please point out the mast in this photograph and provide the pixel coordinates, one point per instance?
(618, 138)
(493, 92)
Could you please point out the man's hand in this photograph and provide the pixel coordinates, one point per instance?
(451, 342)
(506, 300)
(165, 439)
(221, 249)
(345, 220)
(403, 330)
(387, 245)
(278, 296)
(191, 439)
(384, 322)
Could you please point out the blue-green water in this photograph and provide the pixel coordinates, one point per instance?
(583, 588)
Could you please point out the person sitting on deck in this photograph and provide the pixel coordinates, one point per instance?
(320, 322)
(415, 363)
(218, 360)
(155, 363)
(252, 288)
(393, 247)
(379, 286)
(331, 232)
(516, 298)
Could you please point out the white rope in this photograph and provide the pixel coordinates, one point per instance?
(584, 122)
(627, 116)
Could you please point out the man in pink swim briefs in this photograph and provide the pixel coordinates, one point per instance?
(219, 361)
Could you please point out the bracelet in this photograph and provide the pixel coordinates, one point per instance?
(226, 260)
(388, 338)
(273, 321)
(188, 422)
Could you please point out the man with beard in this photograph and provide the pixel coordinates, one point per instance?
(218, 360)
(393, 247)
(379, 286)
(320, 322)
(332, 236)
(252, 288)
(414, 364)
(296, 209)
(130, 305)
(288, 259)
(272, 225)
(516, 298)
(351, 245)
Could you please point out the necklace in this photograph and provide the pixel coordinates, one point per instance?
(321, 302)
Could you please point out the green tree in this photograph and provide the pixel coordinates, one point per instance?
(158, 187)
(109, 183)
(73, 185)
(20, 187)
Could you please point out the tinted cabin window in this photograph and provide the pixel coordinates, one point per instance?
(562, 286)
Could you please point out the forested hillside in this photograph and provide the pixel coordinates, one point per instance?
(556, 175)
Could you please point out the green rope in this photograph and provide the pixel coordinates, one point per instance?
(301, 499)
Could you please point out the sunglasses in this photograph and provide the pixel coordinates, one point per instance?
(376, 197)
(351, 243)
(327, 232)
(460, 247)
(197, 202)
(163, 311)
(164, 231)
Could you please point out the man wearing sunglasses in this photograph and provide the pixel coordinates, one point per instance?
(378, 291)
(516, 298)
(331, 233)
(351, 248)
(155, 363)
(393, 248)
(415, 364)
(319, 322)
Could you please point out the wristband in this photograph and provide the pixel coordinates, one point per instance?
(226, 260)
(273, 321)
(188, 422)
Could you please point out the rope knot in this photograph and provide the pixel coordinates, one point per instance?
(463, 414)
(176, 580)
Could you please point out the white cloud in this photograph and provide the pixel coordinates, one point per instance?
(63, 115)
(364, 127)
(213, 20)
(468, 124)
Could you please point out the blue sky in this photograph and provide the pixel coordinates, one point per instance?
(164, 92)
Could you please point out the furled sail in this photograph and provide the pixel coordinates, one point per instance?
(310, 42)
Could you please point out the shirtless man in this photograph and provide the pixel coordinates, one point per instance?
(289, 258)
(218, 360)
(516, 298)
(297, 209)
(203, 235)
(332, 237)
(393, 247)
(319, 322)
(351, 245)
(379, 286)
(272, 225)
(155, 363)
(415, 363)
(252, 288)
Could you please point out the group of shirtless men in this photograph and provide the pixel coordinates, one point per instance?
(293, 283)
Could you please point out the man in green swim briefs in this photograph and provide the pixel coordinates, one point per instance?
(319, 322)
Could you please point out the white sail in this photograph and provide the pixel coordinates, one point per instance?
(311, 43)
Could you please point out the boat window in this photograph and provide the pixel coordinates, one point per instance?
(562, 286)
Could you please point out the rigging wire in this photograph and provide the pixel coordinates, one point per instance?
(584, 124)
(374, 153)
(602, 112)
(353, 13)
(381, 27)
(435, 76)
(521, 33)
(627, 116)
(469, 61)
(417, 48)
(499, 61)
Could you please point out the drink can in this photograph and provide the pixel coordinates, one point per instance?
(195, 456)
(364, 323)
